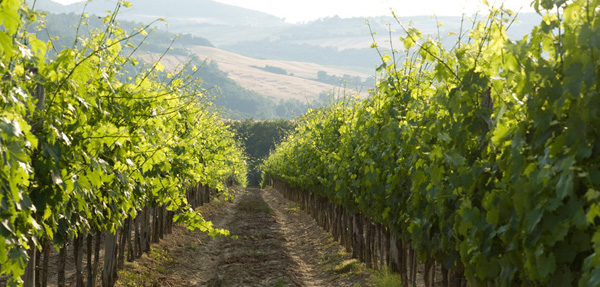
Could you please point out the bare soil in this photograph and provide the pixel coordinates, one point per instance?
(272, 243)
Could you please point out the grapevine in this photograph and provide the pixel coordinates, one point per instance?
(483, 158)
(85, 145)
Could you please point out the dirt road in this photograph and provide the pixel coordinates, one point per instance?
(273, 243)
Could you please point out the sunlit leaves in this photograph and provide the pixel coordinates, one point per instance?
(81, 150)
(9, 15)
(509, 182)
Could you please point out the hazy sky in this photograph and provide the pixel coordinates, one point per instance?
(301, 10)
(304, 10)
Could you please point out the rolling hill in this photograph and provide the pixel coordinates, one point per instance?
(331, 41)
(298, 83)
(261, 62)
(235, 101)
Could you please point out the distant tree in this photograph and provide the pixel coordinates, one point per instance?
(258, 138)
(275, 70)
(281, 110)
(322, 76)
(272, 69)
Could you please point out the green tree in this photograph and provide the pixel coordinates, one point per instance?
(258, 138)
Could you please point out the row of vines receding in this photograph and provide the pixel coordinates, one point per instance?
(484, 157)
(86, 144)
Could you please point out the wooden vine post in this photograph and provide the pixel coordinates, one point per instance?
(39, 93)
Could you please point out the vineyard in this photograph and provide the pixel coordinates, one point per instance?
(476, 164)
(93, 152)
(481, 160)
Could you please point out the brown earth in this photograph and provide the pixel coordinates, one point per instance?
(273, 243)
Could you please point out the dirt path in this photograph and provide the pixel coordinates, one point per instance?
(273, 243)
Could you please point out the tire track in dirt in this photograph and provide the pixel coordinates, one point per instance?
(325, 262)
(258, 257)
(299, 249)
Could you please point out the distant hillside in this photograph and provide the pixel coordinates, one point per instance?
(333, 41)
(174, 11)
(300, 80)
(363, 60)
(236, 101)
(355, 33)
(65, 26)
(346, 42)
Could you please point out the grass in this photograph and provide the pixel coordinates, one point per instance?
(254, 204)
(193, 247)
(328, 242)
(280, 283)
(162, 270)
(130, 279)
(294, 206)
(333, 259)
(255, 253)
(159, 255)
(346, 266)
(386, 278)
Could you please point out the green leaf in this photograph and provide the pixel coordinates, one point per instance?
(6, 46)
(593, 213)
(546, 263)
(594, 279)
(455, 159)
(11, 128)
(532, 218)
(9, 15)
(573, 79)
(16, 152)
(565, 184)
(409, 42)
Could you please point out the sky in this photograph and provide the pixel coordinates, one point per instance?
(295, 11)
(303, 10)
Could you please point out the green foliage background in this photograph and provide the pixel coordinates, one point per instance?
(258, 138)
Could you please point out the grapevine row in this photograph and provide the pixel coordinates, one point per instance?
(86, 146)
(484, 158)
